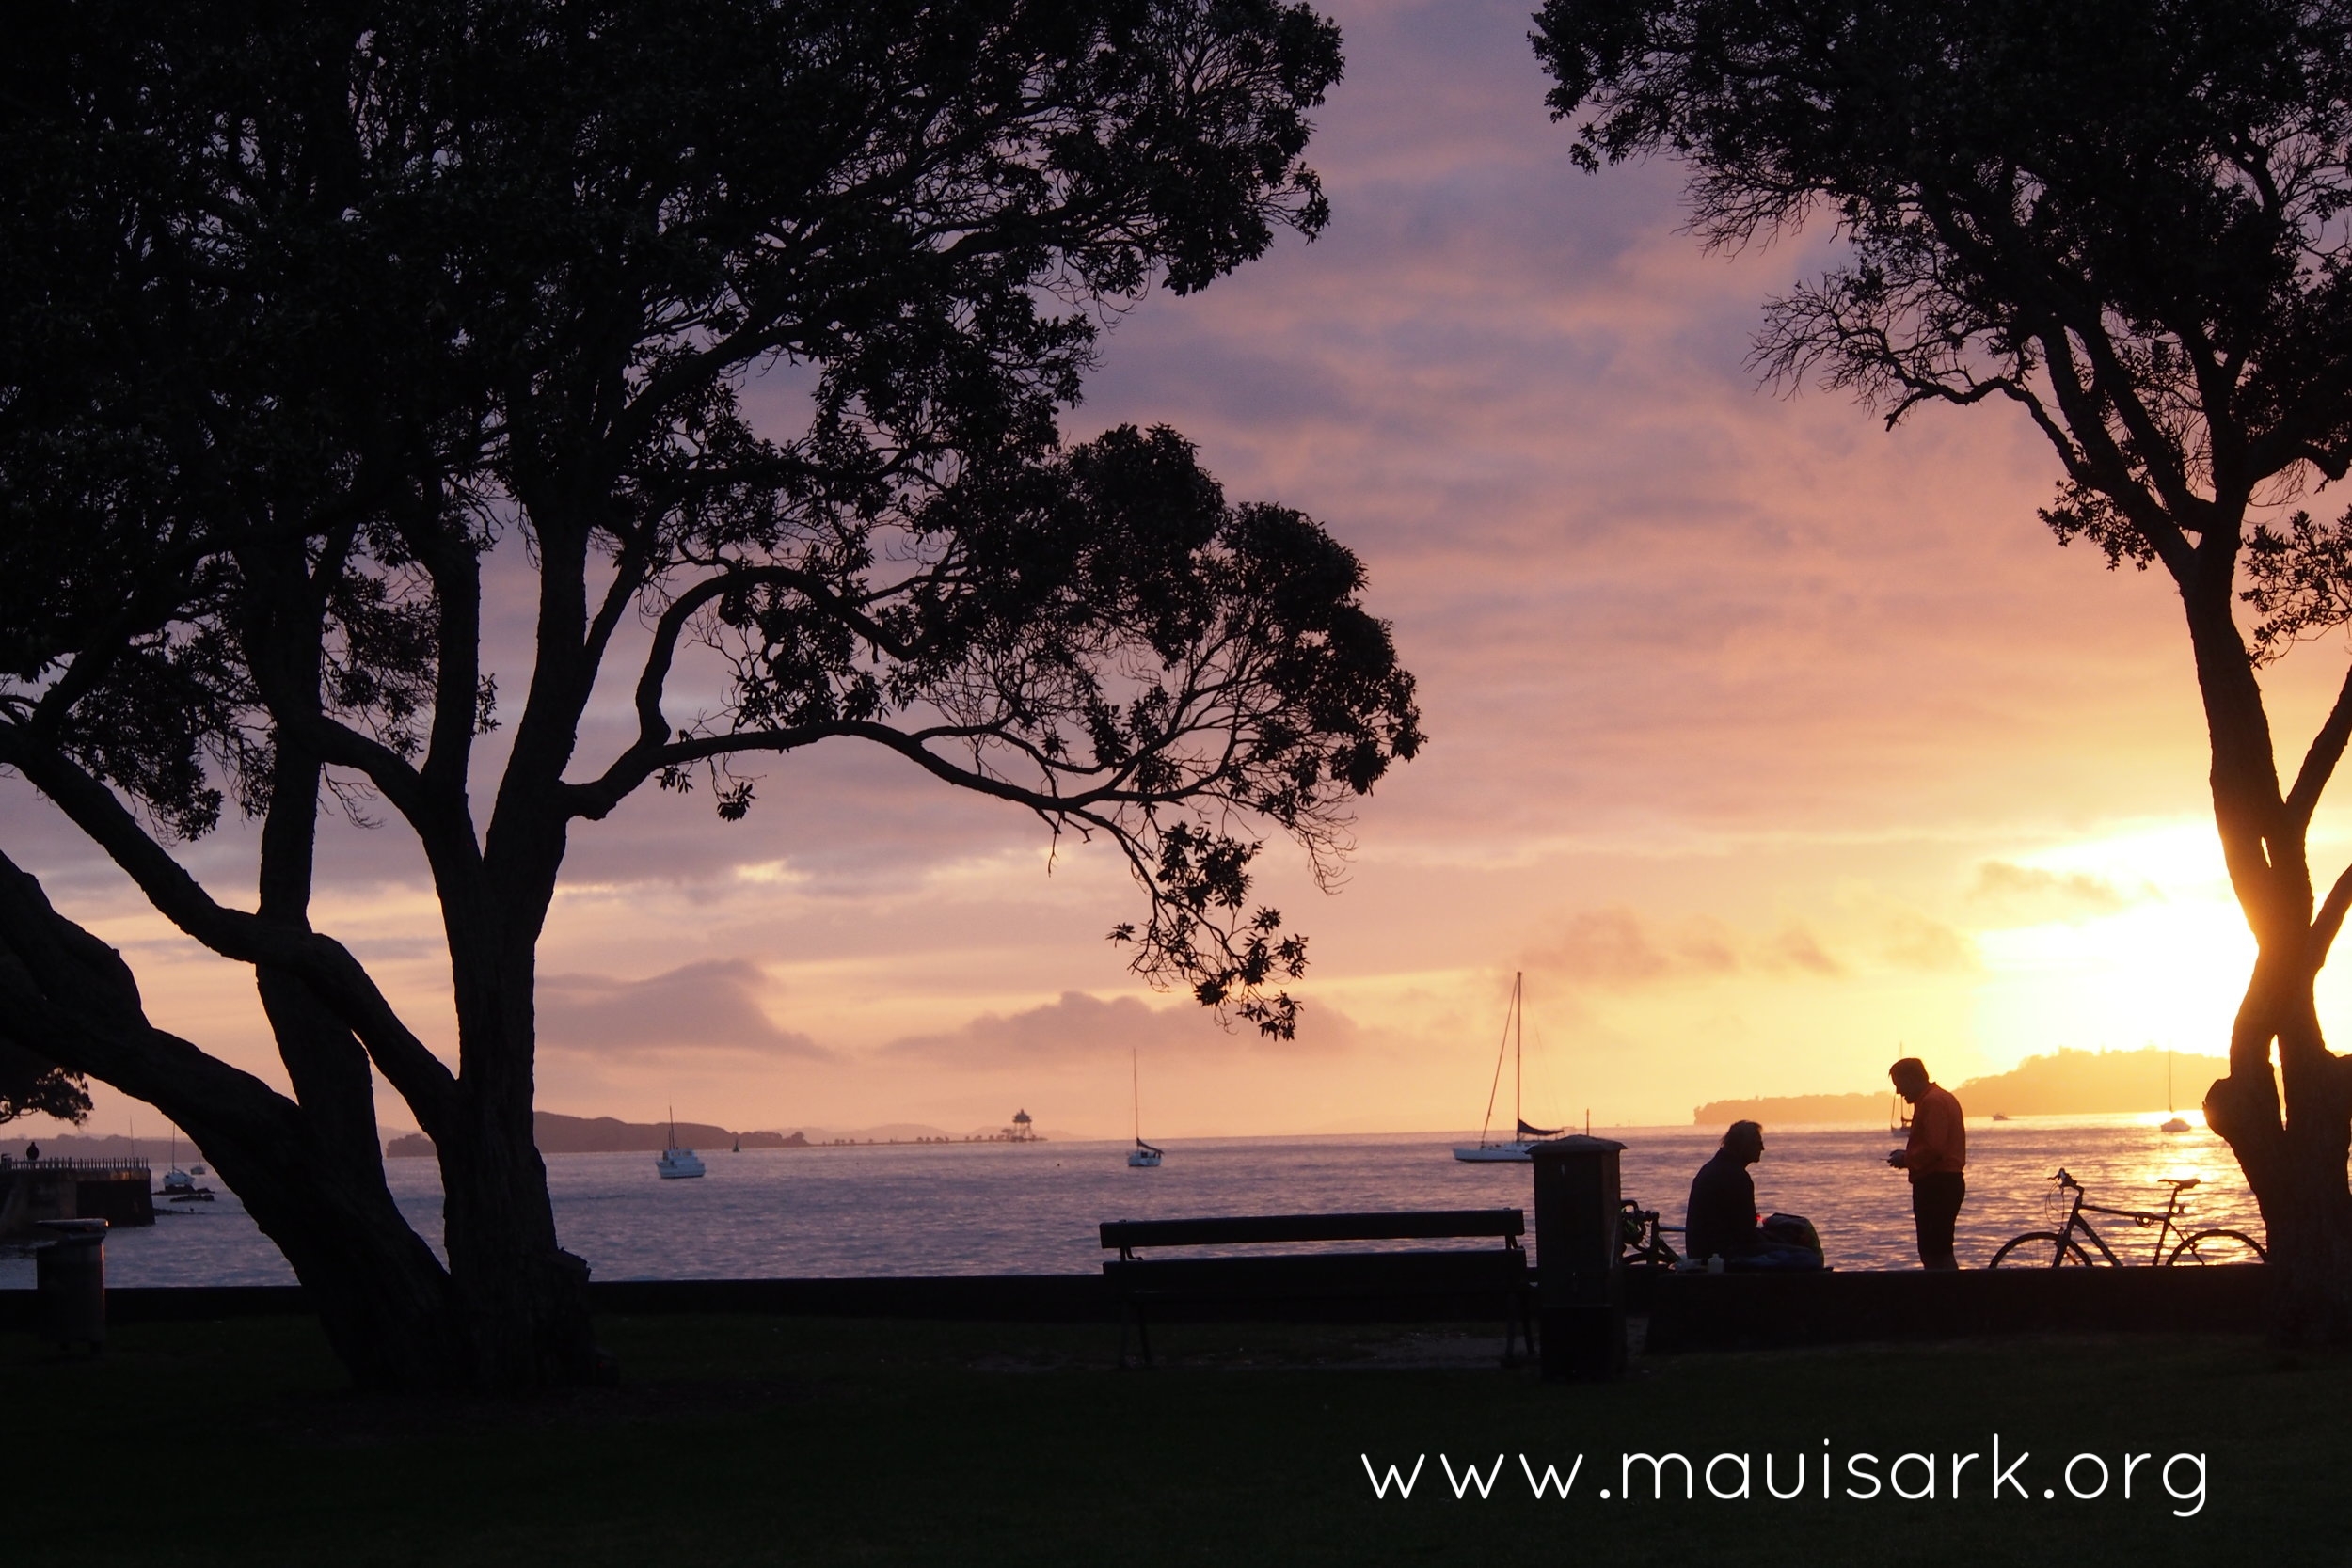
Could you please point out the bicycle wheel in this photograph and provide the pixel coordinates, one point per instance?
(2040, 1249)
(2220, 1247)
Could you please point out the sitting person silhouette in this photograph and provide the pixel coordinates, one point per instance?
(1720, 1220)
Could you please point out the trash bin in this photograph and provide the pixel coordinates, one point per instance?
(1580, 1282)
(69, 1276)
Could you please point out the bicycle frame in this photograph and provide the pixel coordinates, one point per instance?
(2074, 1220)
(1642, 1239)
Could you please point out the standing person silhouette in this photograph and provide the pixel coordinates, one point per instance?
(1934, 1156)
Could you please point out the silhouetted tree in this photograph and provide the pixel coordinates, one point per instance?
(312, 311)
(2127, 220)
(30, 1085)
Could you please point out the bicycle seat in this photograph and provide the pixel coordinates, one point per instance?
(2179, 1183)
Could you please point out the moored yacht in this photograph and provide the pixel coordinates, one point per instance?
(2174, 1121)
(179, 1186)
(1143, 1156)
(1514, 1149)
(677, 1163)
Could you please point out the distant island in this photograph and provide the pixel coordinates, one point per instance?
(2069, 1083)
(562, 1135)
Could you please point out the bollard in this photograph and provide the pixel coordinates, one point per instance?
(69, 1276)
(1580, 1282)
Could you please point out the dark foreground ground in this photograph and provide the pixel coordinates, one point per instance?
(761, 1440)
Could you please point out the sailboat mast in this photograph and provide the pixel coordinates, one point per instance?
(1134, 1071)
(1494, 1086)
(1519, 1040)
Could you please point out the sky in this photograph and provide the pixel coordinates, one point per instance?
(1768, 744)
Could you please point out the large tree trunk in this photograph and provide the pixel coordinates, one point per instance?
(2289, 1130)
(380, 1294)
(510, 1310)
(2294, 1156)
(2292, 1149)
(523, 1299)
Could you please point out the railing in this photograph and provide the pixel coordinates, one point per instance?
(136, 1166)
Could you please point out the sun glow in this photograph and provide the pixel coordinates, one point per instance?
(2152, 949)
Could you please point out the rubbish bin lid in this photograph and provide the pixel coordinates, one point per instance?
(74, 1227)
(1574, 1143)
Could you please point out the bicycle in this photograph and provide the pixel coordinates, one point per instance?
(1642, 1239)
(2203, 1246)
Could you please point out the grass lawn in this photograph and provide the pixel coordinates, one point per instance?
(760, 1440)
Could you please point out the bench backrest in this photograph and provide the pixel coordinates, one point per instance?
(1405, 1225)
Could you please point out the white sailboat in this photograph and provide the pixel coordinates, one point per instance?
(182, 1186)
(1514, 1147)
(2174, 1121)
(1143, 1156)
(678, 1164)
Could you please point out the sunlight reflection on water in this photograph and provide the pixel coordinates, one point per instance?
(1033, 1208)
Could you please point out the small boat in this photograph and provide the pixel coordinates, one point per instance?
(180, 1186)
(2175, 1122)
(1143, 1156)
(2000, 1116)
(678, 1164)
(1513, 1149)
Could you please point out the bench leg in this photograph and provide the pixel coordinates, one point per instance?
(1133, 1315)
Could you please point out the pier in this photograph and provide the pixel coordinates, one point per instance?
(116, 1190)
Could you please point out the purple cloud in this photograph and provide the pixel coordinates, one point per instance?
(1080, 1028)
(711, 1006)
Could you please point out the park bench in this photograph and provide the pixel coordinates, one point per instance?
(1141, 1285)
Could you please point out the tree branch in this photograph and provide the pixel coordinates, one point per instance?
(2329, 921)
(321, 962)
(2319, 762)
(74, 994)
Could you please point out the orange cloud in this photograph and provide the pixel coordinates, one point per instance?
(2014, 894)
(1616, 948)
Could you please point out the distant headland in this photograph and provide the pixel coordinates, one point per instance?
(556, 1133)
(562, 1135)
(2068, 1083)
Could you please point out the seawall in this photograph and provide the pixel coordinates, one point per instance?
(1682, 1312)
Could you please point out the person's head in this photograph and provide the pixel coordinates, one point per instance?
(1744, 1142)
(1911, 1077)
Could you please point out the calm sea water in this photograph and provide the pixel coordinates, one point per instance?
(1033, 1208)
